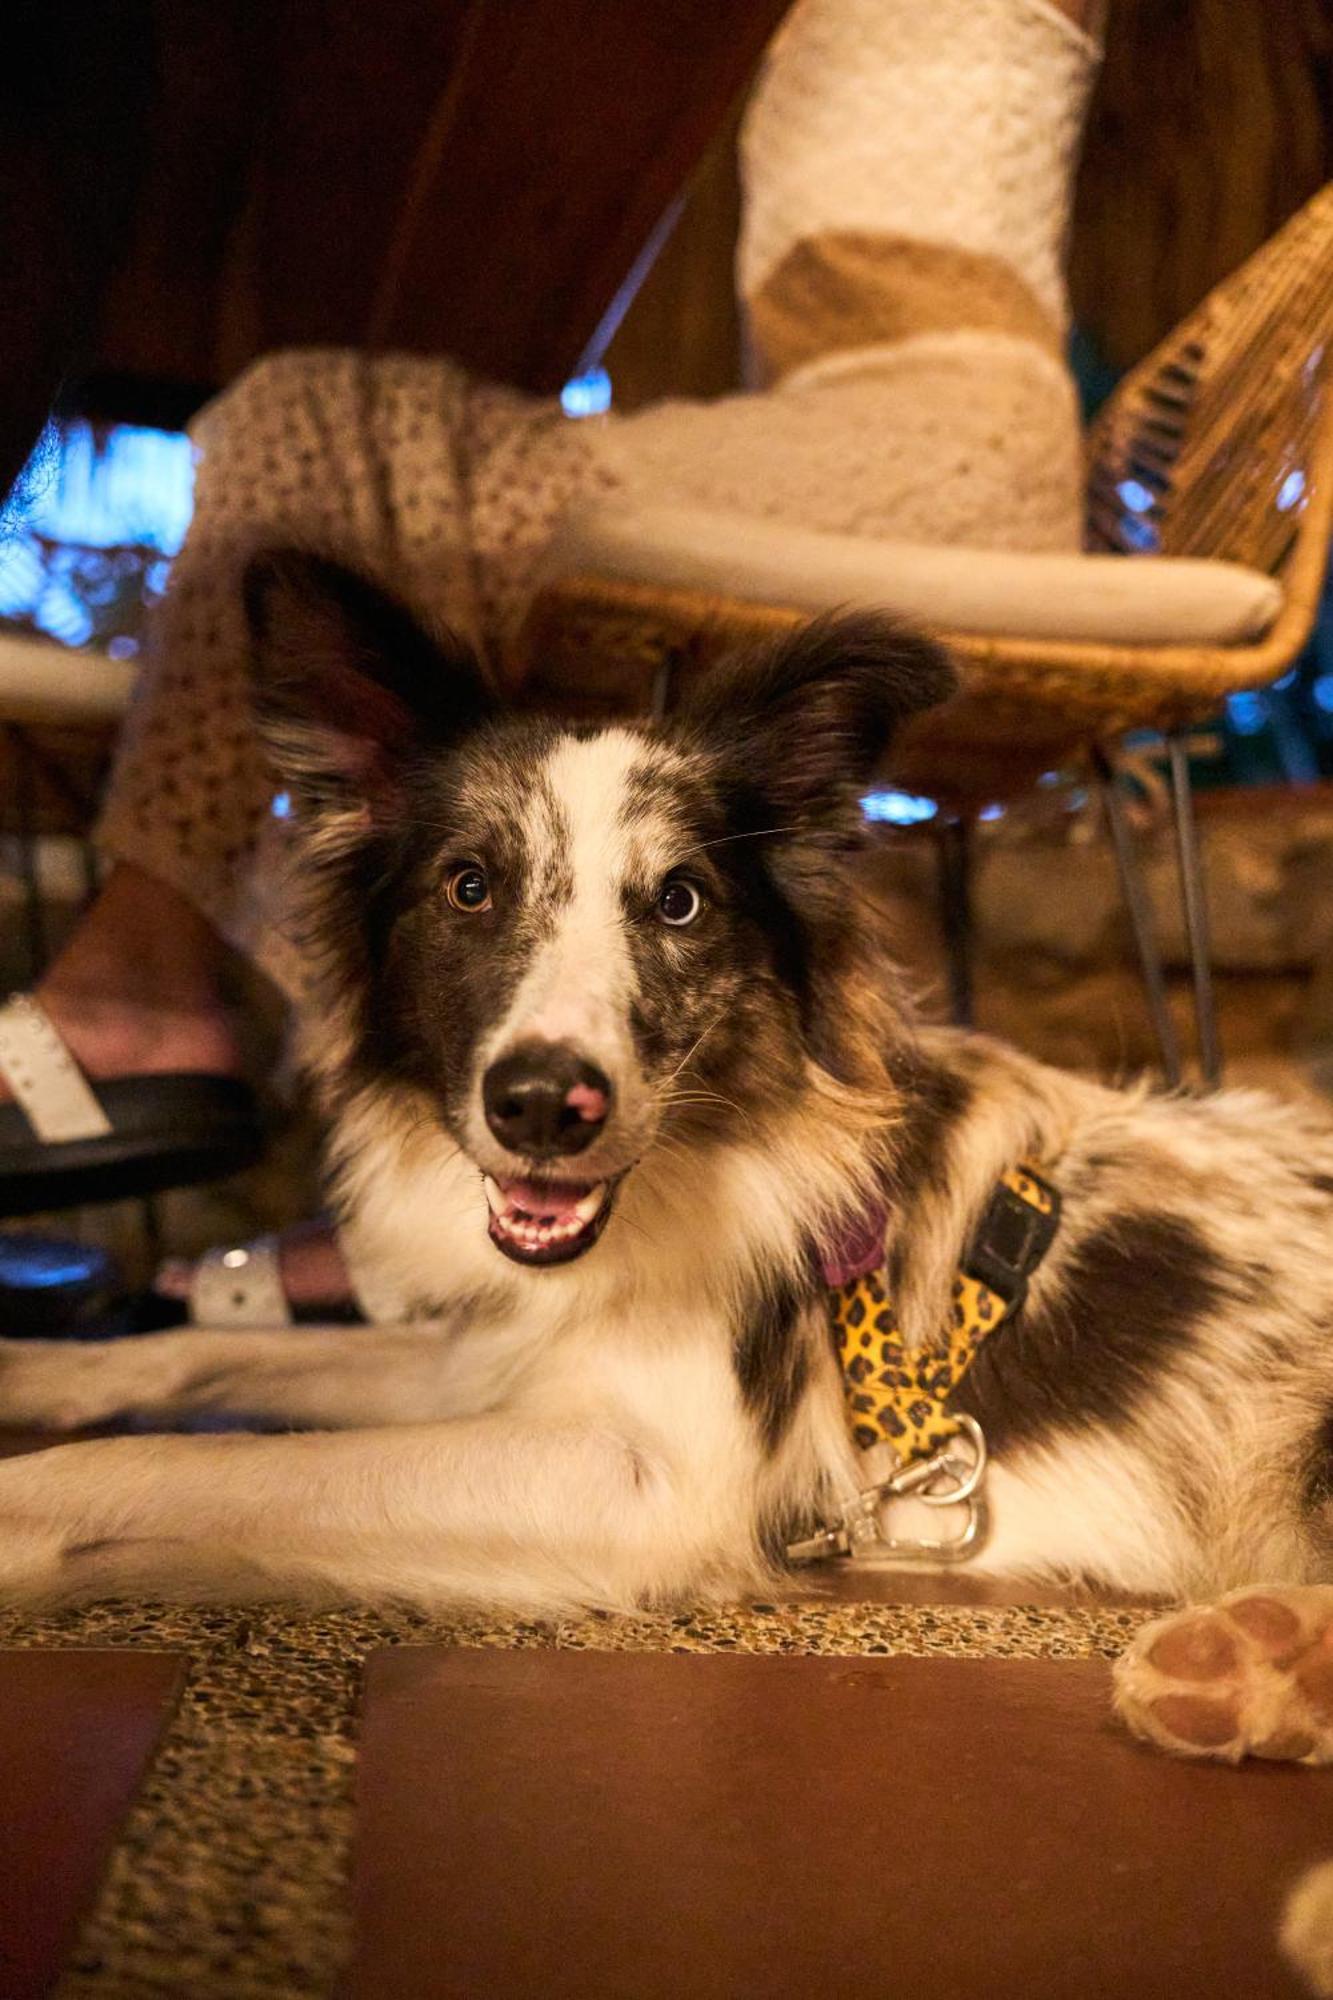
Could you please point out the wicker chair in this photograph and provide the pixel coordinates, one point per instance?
(1219, 444)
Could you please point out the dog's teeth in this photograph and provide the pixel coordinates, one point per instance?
(528, 1233)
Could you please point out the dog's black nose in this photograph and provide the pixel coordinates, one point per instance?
(544, 1100)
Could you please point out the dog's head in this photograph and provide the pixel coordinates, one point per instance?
(579, 946)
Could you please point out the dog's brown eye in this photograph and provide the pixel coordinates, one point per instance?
(679, 902)
(468, 889)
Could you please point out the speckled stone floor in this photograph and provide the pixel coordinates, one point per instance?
(230, 1876)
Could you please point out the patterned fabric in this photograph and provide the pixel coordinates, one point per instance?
(900, 1394)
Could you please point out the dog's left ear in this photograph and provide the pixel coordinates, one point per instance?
(348, 685)
(808, 721)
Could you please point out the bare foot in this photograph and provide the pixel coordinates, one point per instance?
(110, 1037)
(135, 990)
(313, 1271)
(1249, 1676)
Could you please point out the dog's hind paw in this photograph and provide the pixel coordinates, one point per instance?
(1249, 1676)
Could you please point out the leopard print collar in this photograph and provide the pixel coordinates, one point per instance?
(898, 1394)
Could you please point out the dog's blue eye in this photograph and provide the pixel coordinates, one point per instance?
(467, 889)
(679, 902)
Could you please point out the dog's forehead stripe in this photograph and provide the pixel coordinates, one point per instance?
(575, 987)
(589, 781)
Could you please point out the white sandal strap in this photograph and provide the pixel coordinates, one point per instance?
(48, 1085)
(241, 1287)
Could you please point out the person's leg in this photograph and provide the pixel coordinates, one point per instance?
(289, 455)
(135, 990)
(905, 179)
(311, 1266)
(327, 451)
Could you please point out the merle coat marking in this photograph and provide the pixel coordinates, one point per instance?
(600, 1372)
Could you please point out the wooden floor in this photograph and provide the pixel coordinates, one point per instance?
(77, 1731)
(655, 1826)
(649, 1826)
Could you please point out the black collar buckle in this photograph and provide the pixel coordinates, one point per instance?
(1011, 1239)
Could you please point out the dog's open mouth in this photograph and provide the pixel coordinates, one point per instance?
(547, 1222)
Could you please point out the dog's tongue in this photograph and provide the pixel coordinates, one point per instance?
(545, 1201)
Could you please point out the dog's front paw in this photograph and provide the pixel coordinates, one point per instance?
(1249, 1676)
(57, 1385)
(33, 1571)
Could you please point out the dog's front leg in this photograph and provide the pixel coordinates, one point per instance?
(535, 1517)
(331, 1379)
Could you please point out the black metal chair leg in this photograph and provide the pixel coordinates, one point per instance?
(1134, 891)
(154, 1239)
(663, 688)
(953, 843)
(92, 875)
(1194, 897)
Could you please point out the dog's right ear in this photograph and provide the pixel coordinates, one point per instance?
(804, 723)
(348, 685)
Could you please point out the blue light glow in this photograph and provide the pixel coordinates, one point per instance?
(34, 1263)
(587, 395)
(1290, 491)
(89, 531)
(1322, 690)
(991, 812)
(1135, 495)
(1141, 536)
(1247, 713)
(126, 488)
(898, 808)
(60, 614)
(282, 805)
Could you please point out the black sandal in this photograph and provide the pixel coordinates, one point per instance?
(67, 1139)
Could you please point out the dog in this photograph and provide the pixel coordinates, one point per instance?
(613, 1052)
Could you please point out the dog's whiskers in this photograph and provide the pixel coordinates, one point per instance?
(725, 839)
(677, 1099)
(697, 1044)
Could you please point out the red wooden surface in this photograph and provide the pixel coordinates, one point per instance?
(77, 1731)
(648, 1826)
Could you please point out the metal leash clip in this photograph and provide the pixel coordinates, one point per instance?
(950, 1477)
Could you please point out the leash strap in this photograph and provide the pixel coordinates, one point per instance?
(900, 1395)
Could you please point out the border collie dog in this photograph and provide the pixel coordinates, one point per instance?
(613, 1053)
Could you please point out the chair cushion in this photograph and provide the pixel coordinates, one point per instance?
(1117, 600)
